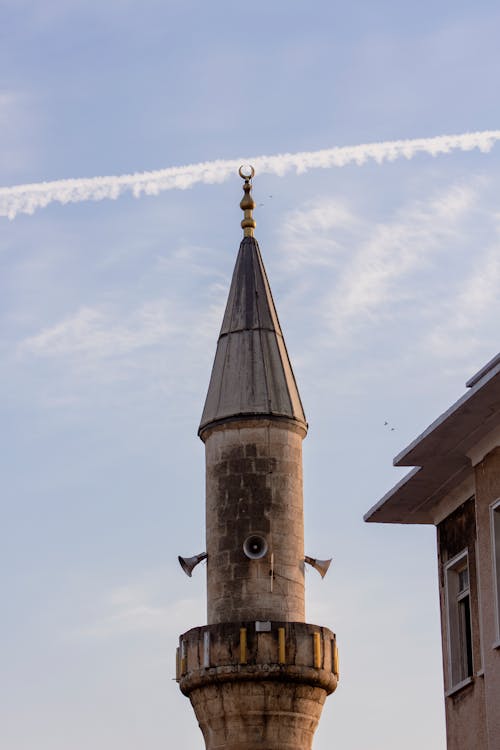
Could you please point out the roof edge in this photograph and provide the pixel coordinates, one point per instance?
(401, 458)
(369, 515)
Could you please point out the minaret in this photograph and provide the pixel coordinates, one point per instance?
(257, 675)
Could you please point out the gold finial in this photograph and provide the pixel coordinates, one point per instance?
(247, 205)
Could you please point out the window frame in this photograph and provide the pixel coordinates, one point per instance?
(495, 564)
(459, 637)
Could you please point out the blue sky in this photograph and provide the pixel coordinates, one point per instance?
(385, 279)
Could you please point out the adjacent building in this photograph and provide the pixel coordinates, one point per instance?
(257, 674)
(455, 485)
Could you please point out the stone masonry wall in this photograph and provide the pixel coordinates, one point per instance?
(248, 692)
(254, 486)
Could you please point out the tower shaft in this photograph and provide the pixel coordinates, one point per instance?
(254, 488)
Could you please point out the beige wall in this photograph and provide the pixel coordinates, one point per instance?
(473, 711)
(465, 720)
(254, 486)
(487, 474)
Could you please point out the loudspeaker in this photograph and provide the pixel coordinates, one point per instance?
(320, 565)
(188, 564)
(255, 546)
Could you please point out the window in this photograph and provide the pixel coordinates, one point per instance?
(459, 619)
(495, 532)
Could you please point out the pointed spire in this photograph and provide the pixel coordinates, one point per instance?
(252, 376)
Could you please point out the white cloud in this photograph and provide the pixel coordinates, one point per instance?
(18, 118)
(466, 316)
(28, 198)
(137, 608)
(401, 289)
(100, 333)
(394, 251)
(152, 348)
(313, 235)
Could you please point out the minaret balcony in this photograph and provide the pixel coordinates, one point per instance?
(257, 650)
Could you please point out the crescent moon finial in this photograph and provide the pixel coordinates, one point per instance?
(246, 171)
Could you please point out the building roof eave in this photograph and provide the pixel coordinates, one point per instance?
(415, 499)
(462, 420)
(440, 454)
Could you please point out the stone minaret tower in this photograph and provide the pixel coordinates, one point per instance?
(257, 674)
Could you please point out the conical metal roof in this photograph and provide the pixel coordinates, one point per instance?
(252, 375)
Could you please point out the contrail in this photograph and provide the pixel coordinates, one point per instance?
(27, 198)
